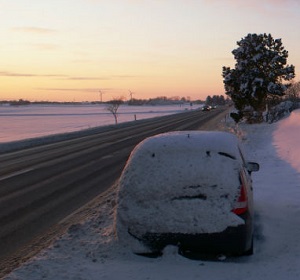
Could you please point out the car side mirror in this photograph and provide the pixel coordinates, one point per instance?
(252, 166)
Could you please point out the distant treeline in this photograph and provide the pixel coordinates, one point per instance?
(217, 100)
(154, 101)
(21, 102)
(163, 100)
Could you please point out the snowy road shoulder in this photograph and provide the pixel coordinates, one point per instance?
(89, 251)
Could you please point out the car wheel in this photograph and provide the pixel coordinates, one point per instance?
(249, 252)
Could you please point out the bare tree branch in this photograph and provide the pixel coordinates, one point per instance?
(113, 107)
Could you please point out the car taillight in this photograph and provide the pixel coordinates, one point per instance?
(241, 205)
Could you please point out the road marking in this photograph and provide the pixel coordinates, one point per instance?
(107, 156)
(15, 173)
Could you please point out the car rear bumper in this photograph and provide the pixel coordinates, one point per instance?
(232, 241)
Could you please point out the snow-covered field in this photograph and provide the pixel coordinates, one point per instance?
(89, 250)
(31, 121)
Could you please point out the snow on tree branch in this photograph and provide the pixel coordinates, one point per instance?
(260, 69)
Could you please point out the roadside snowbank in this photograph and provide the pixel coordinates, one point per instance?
(89, 251)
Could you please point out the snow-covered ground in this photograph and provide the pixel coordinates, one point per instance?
(31, 121)
(89, 250)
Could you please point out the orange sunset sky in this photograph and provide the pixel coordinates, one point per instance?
(68, 50)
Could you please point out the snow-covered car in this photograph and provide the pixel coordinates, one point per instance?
(187, 188)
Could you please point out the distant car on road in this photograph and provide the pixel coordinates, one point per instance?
(187, 188)
(206, 108)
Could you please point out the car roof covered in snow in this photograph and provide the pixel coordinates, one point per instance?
(192, 141)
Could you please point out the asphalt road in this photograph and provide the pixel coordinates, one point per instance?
(41, 186)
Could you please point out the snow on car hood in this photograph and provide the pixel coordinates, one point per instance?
(174, 185)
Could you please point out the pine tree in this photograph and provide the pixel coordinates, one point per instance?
(259, 72)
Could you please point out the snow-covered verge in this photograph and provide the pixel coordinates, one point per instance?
(89, 250)
(47, 123)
